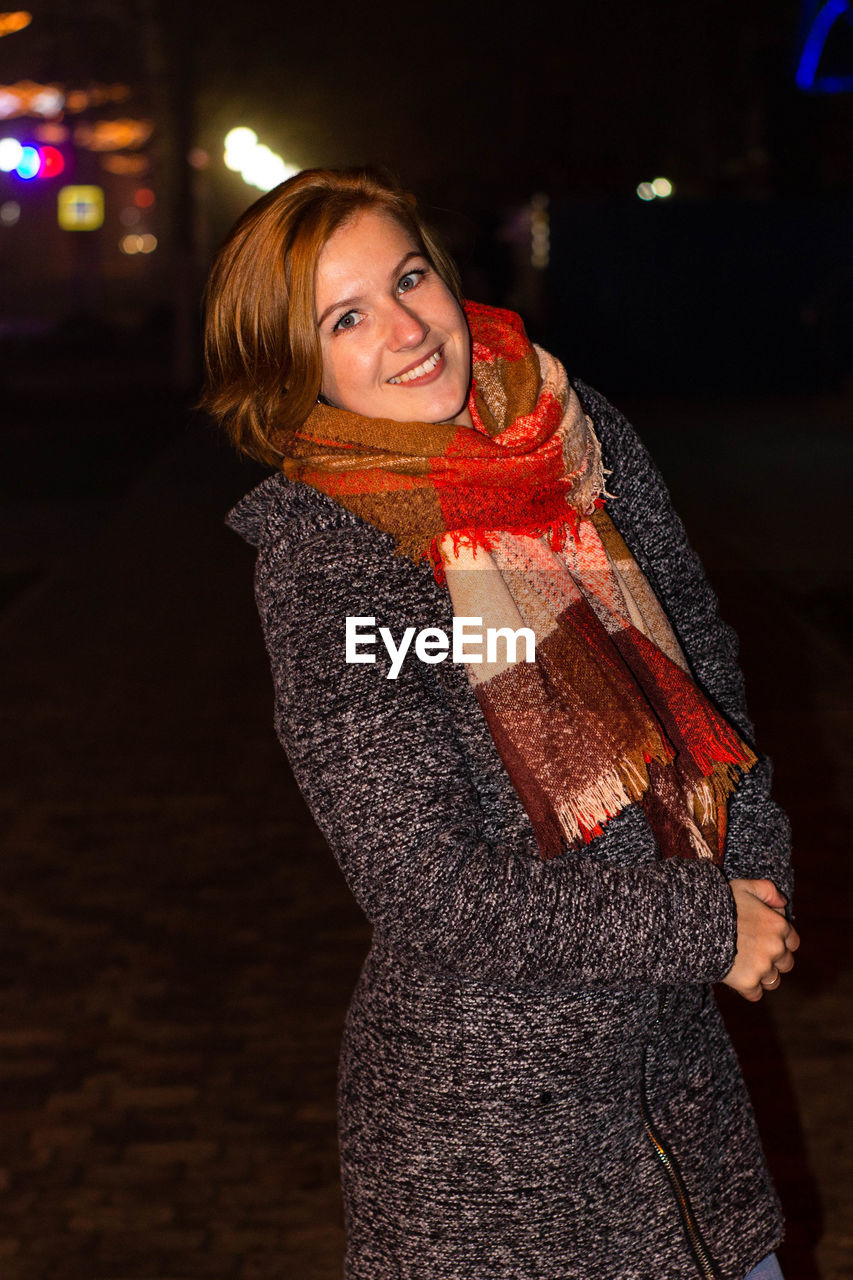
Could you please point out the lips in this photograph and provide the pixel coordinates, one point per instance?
(419, 372)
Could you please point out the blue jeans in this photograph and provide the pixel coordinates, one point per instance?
(767, 1269)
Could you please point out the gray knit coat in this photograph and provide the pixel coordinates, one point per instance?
(534, 1082)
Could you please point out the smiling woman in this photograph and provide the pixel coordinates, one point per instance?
(561, 844)
(394, 339)
(266, 339)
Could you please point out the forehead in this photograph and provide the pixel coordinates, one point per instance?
(367, 246)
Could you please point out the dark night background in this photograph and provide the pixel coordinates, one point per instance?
(178, 947)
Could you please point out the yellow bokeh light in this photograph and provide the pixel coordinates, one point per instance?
(134, 243)
(135, 165)
(80, 208)
(51, 101)
(113, 135)
(662, 187)
(257, 164)
(97, 95)
(11, 22)
(241, 140)
(27, 98)
(53, 133)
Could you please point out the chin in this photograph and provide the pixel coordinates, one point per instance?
(446, 410)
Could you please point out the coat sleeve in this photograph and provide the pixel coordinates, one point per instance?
(381, 767)
(758, 843)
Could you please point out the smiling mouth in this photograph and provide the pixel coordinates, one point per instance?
(423, 370)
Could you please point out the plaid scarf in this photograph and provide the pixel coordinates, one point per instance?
(512, 517)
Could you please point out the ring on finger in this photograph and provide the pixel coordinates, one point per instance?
(769, 985)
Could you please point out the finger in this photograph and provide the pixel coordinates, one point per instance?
(786, 963)
(768, 893)
(753, 994)
(792, 939)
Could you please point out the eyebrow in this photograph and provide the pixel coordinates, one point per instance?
(349, 302)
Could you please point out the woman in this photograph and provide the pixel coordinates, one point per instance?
(559, 849)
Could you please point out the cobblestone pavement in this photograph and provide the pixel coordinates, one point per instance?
(178, 947)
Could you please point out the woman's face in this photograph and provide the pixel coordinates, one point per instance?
(394, 340)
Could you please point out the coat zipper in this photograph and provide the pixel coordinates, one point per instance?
(698, 1246)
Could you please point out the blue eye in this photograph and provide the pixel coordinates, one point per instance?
(349, 320)
(411, 280)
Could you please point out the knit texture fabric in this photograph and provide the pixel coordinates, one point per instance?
(511, 1010)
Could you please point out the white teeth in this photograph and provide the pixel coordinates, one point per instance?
(426, 367)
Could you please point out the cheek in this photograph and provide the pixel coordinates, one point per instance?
(464, 341)
(457, 325)
(331, 356)
(345, 368)
(327, 376)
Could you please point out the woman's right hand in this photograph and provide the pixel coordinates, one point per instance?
(765, 939)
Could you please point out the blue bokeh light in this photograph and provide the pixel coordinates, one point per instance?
(29, 163)
(820, 19)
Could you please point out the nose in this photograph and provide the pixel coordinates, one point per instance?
(405, 327)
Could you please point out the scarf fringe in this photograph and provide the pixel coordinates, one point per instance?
(555, 532)
(698, 843)
(582, 815)
(724, 754)
(712, 793)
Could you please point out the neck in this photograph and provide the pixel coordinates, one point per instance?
(463, 419)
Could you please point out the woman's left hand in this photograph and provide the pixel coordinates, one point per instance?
(764, 945)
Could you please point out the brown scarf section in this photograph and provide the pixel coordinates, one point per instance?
(511, 515)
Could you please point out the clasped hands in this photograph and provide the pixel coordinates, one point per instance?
(765, 939)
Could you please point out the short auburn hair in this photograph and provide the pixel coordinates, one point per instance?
(261, 343)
